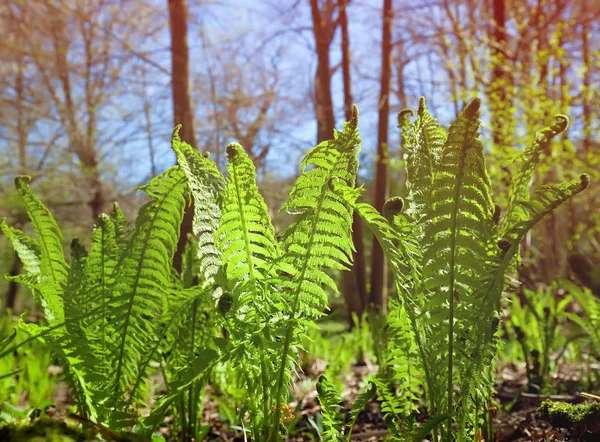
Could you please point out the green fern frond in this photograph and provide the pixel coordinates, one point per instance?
(359, 405)
(424, 144)
(122, 227)
(457, 236)
(331, 406)
(143, 272)
(544, 200)
(245, 237)
(519, 187)
(207, 185)
(319, 240)
(101, 269)
(27, 248)
(53, 267)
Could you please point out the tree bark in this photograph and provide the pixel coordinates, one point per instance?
(355, 281)
(183, 111)
(323, 33)
(378, 295)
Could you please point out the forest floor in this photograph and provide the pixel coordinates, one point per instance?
(515, 417)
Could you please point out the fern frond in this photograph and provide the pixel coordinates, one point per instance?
(27, 248)
(207, 185)
(143, 272)
(359, 405)
(544, 200)
(331, 406)
(456, 238)
(519, 187)
(424, 144)
(122, 227)
(100, 271)
(245, 237)
(197, 370)
(53, 267)
(319, 239)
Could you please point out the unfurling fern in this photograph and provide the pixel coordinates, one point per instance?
(457, 255)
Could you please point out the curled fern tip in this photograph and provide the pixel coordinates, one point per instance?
(404, 114)
(26, 179)
(562, 123)
(472, 108)
(232, 150)
(175, 133)
(354, 121)
(585, 180)
(393, 206)
(422, 106)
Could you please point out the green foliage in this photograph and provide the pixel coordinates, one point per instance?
(105, 310)
(245, 297)
(535, 323)
(589, 319)
(457, 254)
(269, 292)
(336, 427)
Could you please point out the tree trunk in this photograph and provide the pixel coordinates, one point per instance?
(323, 100)
(378, 295)
(355, 281)
(502, 122)
(183, 112)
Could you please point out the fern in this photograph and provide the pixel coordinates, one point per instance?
(143, 271)
(456, 254)
(331, 408)
(206, 185)
(319, 239)
(53, 269)
(338, 428)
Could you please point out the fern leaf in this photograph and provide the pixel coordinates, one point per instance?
(457, 235)
(197, 370)
(206, 184)
(245, 237)
(519, 188)
(333, 419)
(544, 200)
(424, 144)
(319, 239)
(359, 405)
(53, 267)
(144, 271)
(27, 248)
(122, 227)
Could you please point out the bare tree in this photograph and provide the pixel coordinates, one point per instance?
(355, 281)
(183, 110)
(323, 31)
(377, 295)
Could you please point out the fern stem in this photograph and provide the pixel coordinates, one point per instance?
(192, 406)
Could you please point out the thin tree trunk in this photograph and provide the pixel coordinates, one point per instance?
(355, 281)
(183, 112)
(500, 101)
(323, 100)
(378, 295)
